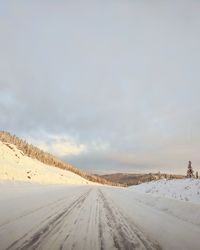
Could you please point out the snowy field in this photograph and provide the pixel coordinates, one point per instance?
(56, 209)
(183, 189)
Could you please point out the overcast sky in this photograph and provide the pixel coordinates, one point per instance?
(105, 85)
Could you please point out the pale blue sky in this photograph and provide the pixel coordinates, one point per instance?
(106, 85)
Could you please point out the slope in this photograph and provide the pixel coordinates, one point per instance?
(185, 189)
(17, 166)
(46, 158)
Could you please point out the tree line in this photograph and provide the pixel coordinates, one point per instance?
(46, 158)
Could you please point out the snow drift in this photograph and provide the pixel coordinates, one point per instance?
(184, 189)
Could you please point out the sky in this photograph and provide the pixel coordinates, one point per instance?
(109, 86)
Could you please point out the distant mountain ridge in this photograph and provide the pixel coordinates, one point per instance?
(129, 179)
(46, 158)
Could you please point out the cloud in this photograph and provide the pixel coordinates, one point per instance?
(65, 146)
(58, 145)
(103, 85)
(61, 148)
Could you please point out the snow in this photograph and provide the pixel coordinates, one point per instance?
(158, 215)
(92, 217)
(15, 166)
(180, 189)
(174, 225)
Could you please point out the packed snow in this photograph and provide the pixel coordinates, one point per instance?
(86, 217)
(15, 166)
(180, 189)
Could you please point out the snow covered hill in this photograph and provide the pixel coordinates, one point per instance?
(184, 189)
(91, 217)
(14, 165)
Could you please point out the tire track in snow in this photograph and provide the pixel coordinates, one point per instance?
(91, 222)
(49, 205)
(124, 234)
(53, 222)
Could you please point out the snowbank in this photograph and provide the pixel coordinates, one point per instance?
(15, 166)
(184, 189)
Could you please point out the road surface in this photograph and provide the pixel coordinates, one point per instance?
(89, 218)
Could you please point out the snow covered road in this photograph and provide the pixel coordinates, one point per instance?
(88, 217)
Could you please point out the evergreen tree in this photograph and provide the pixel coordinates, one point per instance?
(46, 158)
(190, 171)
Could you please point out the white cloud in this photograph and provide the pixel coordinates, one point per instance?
(66, 148)
(130, 79)
(63, 146)
(59, 145)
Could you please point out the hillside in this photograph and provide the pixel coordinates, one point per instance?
(184, 190)
(129, 179)
(57, 216)
(18, 153)
(16, 166)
